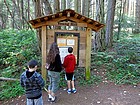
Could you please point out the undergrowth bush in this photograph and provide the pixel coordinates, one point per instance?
(10, 89)
(17, 48)
(123, 67)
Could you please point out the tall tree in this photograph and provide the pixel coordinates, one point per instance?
(38, 14)
(121, 15)
(3, 16)
(22, 12)
(137, 28)
(38, 8)
(76, 2)
(56, 6)
(57, 9)
(63, 4)
(110, 22)
(70, 4)
(100, 36)
(47, 7)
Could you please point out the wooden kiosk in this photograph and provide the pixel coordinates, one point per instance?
(80, 40)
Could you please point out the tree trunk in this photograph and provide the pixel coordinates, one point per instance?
(121, 14)
(76, 2)
(100, 36)
(56, 6)
(137, 28)
(63, 4)
(28, 12)
(56, 9)
(22, 12)
(3, 17)
(83, 7)
(48, 9)
(110, 22)
(38, 14)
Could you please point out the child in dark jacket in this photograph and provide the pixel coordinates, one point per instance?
(33, 84)
(54, 67)
(69, 65)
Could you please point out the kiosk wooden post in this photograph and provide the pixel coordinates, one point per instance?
(43, 48)
(88, 53)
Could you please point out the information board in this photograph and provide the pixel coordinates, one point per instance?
(65, 42)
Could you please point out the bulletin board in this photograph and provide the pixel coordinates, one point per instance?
(65, 40)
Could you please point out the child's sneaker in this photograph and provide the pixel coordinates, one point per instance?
(53, 99)
(49, 99)
(74, 91)
(69, 91)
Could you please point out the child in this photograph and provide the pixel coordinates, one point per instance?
(33, 84)
(54, 68)
(69, 65)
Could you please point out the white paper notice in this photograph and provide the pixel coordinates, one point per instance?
(70, 42)
(61, 41)
(63, 52)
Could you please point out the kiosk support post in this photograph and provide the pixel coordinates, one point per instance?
(43, 69)
(88, 53)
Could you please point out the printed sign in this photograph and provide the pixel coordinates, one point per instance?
(70, 42)
(61, 42)
(67, 24)
(63, 52)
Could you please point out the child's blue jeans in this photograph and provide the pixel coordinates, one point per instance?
(38, 101)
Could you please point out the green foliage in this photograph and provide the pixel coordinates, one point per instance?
(80, 78)
(10, 89)
(126, 22)
(123, 66)
(100, 58)
(17, 48)
(127, 63)
(63, 82)
(129, 48)
(93, 80)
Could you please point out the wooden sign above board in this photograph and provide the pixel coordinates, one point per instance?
(67, 24)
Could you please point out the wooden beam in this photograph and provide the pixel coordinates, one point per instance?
(76, 15)
(45, 18)
(88, 53)
(38, 20)
(60, 14)
(48, 22)
(89, 20)
(53, 16)
(82, 18)
(51, 23)
(43, 48)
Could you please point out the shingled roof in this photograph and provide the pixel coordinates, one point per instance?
(69, 15)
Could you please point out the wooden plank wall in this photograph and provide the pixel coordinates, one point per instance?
(82, 46)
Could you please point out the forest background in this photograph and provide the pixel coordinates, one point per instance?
(115, 48)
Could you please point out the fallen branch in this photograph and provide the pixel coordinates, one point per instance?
(8, 79)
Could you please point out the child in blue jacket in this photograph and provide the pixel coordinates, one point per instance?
(33, 84)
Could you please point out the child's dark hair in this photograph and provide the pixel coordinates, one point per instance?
(70, 49)
(32, 63)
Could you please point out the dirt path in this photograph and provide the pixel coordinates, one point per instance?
(103, 94)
